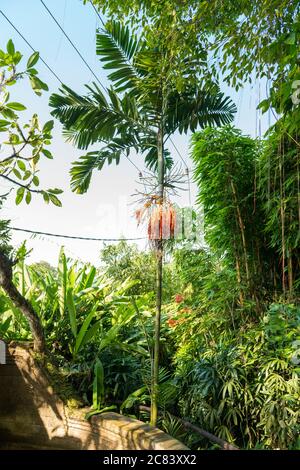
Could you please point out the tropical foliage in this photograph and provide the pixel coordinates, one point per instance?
(143, 110)
(25, 144)
(205, 334)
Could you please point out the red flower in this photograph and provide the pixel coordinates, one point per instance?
(178, 298)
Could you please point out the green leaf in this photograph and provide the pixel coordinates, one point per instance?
(17, 173)
(48, 126)
(17, 57)
(46, 197)
(90, 277)
(63, 281)
(8, 113)
(10, 47)
(90, 333)
(33, 59)
(11, 82)
(99, 411)
(264, 105)
(55, 191)
(72, 311)
(32, 71)
(47, 153)
(5, 325)
(4, 123)
(14, 139)
(84, 329)
(117, 48)
(27, 175)
(291, 40)
(16, 106)
(19, 195)
(28, 197)
(55, 200)
(98, 385)
(37, 85)
(35, 180)
(21, 165)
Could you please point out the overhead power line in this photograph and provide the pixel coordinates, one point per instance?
(71, 42)
(31, 47)
(186, 169)
(83, 59)
(74, 237)
(97, 13)
(178, 152)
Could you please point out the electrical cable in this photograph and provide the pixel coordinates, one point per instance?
(74, 237)
(29, 45)
(71, 42)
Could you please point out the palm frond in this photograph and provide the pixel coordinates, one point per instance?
(82, 169)
(117, 48)
(92, 118)
(130, 119)
(151, 159)
(189, 111)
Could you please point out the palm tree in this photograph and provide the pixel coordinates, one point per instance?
(140, 112)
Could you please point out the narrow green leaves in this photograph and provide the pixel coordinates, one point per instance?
(72, 312)
(98, 385)
(33, 59)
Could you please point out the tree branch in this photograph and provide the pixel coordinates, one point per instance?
(6, 282)
(26, 186)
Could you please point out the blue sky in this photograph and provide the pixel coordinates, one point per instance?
(107, 209)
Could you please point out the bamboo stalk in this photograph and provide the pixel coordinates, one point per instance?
(242, 230)
(282, 219)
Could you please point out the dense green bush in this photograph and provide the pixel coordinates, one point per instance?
(243, 385)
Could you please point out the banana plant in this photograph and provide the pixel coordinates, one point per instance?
(86, 332)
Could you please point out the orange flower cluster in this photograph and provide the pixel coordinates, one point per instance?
(172, 322)
(162, 223)
(186, 310)
(161, 219)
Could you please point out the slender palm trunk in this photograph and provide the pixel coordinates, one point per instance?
(159, 280)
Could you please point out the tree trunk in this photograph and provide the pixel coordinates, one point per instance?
(159, 276)
(6, 282)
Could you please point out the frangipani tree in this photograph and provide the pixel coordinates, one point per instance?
(140, 112)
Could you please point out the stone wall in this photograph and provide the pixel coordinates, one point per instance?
(32, 414)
